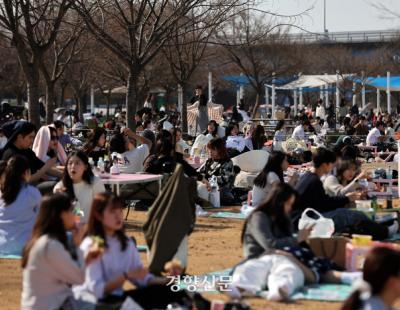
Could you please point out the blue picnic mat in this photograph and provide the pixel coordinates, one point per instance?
(229, 215)
(323, 292)
(10, 256)
(395, 237)
(141, 248)
(319, 292)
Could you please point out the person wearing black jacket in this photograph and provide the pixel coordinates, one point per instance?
(312, 195)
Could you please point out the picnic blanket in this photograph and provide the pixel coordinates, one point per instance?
(229, 215)
(319, 292)
(215, 112)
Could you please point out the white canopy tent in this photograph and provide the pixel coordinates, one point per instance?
(312, 81)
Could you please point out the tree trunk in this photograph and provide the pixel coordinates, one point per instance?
(108, 101)
(81, 97)
(50, 102)
(131, 97)
(184, 110)
(257, 104)
(33, 95)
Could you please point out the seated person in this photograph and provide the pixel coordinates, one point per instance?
(279, 136)
(64, 138)
(271, 174)
(132, 157)
(379, 288)
(20, 139)
(19, 205)
(374, 136)
(221, 166)
(345, 181)
(79, 183)
(234, 142)
(299, 132)
(361, 128)
(268, 230)
(95, 147)
(183, 146)
(120, 262)
(311, 194)
(46, 145)
(256, 140)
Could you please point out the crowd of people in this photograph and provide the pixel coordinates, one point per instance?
(68, 227)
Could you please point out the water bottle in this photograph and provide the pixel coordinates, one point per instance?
(115, 167)
(91, 163)
(106, 164)
(100, 165)
(77, 211)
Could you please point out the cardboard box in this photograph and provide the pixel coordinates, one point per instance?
(333, 248)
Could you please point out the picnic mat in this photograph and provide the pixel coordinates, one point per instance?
(395, 237)
(323, 292)
(10, 256)
(318, 292)
(229, 215)
(141, 248)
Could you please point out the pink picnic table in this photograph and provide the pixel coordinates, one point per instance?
(130, 178)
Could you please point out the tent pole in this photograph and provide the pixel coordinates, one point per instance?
(389, 108)
(321, 92)
(241, 89)
(326, 93)
(210, 93)
(354, 94)
(378, 98)
(266, 99)
(273, 99)
(301, 96)
(337, 91)
(92, 99)
(295, 102)
(238, 94)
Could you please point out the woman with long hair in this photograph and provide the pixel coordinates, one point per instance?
(19, 205)
(279, 136)
(120, 262)
(345, 181)
(95, 147)
(212, 129)
(272, 173)
(380, 287)
(220, 166)
(268, 228)
(79, 182)
(51, 261)
(257, 139)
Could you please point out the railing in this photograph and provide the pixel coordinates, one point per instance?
(345, 37)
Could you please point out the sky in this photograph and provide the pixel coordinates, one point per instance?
(341, 15)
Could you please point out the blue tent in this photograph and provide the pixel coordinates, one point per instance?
(381, 83)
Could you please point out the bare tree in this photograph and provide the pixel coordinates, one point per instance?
(52, 67)
(135, 31)
(259, 50)
(32, 27)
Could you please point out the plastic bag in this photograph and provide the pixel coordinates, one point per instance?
(323, 227)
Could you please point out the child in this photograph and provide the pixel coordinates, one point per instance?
(79, 182)
(19, 205)
(51, 262)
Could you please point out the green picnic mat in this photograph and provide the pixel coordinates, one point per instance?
(229, 215)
